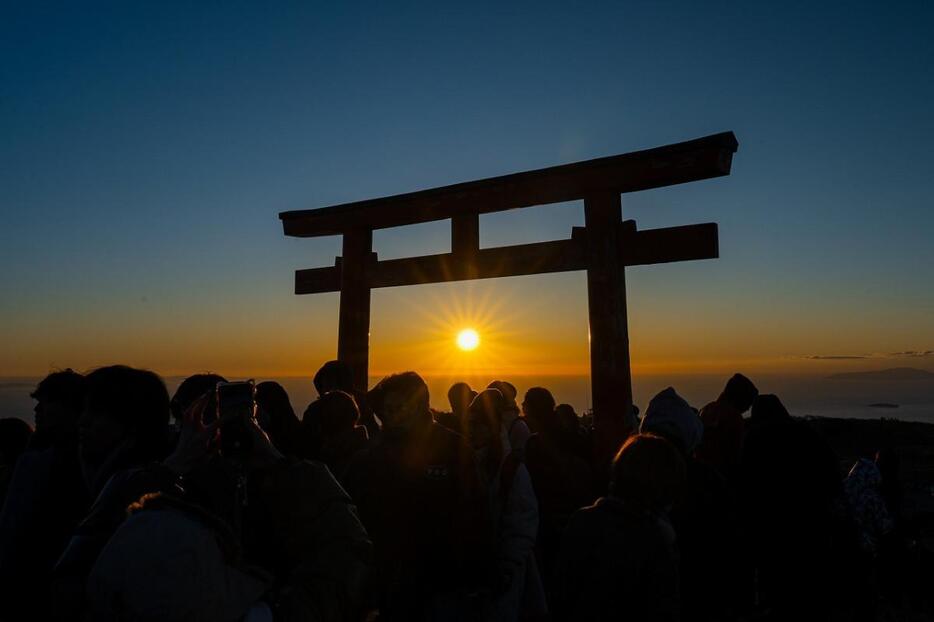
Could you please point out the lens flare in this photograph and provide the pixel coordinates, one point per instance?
(468, 339)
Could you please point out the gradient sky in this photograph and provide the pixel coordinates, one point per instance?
(146, 149)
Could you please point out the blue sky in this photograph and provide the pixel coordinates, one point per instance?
(146, 150)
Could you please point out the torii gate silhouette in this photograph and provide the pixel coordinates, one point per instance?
(603, 247)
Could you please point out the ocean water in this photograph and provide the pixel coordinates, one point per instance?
(802, 395)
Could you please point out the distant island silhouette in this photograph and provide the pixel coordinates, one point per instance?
(895, 373)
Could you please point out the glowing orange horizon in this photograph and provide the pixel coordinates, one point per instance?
(534, 326)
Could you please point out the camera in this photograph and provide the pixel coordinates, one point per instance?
(236, 409)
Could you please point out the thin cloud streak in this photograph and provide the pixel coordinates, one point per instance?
(849, 357)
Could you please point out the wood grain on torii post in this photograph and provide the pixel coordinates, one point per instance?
(610, 378)
(604, 247)
(353, 330)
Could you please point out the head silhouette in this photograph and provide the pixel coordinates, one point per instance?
(192, 388)
(767, 408)
(507, 389)
(332, 414)
(539, 409)
(460, 395)
(275, 414)
(59, 402)
(739, 392)
(566, 420)
(567, 416)
(485, 416)
(124, 408)
(334, 376)
(648, 472)
(669, 416)
(400, 401)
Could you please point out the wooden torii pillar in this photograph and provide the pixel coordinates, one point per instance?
(603, 247)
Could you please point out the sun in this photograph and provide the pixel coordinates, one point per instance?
(468, 339)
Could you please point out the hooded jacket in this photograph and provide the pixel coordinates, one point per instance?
(862, 487)
(169, 562)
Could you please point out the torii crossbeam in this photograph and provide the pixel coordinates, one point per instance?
(603, 247)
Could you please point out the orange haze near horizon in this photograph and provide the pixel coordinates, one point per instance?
(531, 326)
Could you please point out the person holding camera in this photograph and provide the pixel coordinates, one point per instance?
(224, 508)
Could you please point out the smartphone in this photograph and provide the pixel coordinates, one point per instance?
(236, 408)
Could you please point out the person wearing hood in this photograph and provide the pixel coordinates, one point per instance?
(722, 443)
(704, 517)
(790, 494)
(419, 494)
(863, 489)
(172, 561)
(619, 557)
(519, 593)
(330, 432)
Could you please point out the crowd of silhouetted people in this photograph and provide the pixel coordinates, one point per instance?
(127, 504)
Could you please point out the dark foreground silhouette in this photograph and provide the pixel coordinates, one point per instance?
(221, 504)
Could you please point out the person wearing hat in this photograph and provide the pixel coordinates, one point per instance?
(704, 516)
(789, 490)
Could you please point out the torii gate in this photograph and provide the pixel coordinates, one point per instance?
(604, 247)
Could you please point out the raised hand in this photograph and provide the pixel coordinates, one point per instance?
(196, 439)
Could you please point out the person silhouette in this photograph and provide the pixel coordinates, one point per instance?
(47, 498)
(14, 439)
(704, 517)
(285, 518)
(329, 432)
(460, 395)
(122, 430)
(338, 376)
(563, 481)
(190, 389)
(419, 494)
(789, 488)
(519, 593)
(619, 556)
(516, 430)
(722, 443)
(276, 417)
